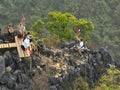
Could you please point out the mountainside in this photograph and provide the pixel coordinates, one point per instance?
(65, 67)
(52, 68)
(103, 13)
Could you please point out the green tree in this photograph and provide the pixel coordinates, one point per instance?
(65, 24)
(38, 27)
(79, 84)
(110, 80)
(61, 24)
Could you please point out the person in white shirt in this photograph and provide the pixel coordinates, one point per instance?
(26, 43)
(81, 43)
(26, 46)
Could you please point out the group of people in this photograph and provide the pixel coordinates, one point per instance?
(21, 30)
(27, 44)
(81, 41)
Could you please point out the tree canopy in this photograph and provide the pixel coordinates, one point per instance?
(64, 25)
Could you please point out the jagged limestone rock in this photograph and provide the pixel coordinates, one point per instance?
(62, 66)
(2, 66)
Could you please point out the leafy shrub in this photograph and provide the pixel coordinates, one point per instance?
(79, 84)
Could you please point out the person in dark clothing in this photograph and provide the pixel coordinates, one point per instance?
(0, 31)
(10, 32)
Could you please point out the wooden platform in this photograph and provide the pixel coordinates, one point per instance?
(20, 51)
(8, 45)
(17, 44)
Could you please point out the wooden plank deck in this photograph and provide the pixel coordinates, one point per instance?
(20, 51)
(18, 43)
(8, 45)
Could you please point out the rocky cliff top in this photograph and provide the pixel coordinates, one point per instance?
(52, 68)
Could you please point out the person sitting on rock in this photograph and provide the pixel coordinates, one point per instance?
(10, 30)
(26, 45)
(33, 48)
(81, 44)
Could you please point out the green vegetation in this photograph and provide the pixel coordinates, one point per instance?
(103, 13)
(108, 81)
(57, 20)
(79, 84)
(64, 25)
(61, 27)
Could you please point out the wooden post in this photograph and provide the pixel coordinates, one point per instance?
(30, 64)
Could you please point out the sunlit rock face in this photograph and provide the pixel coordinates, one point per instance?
(91, 64)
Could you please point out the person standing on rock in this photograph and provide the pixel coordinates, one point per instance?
(78, 31)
